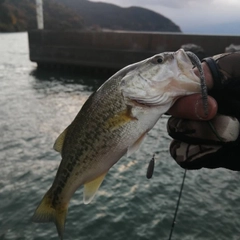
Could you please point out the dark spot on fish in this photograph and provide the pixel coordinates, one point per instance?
(58, 190)
(56, 193)
(70, 167)
(61, 184)
(65, 177)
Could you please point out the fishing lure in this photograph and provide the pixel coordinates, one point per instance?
(150, 168)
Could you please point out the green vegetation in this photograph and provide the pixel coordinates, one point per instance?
(109, 16)
(20, 15)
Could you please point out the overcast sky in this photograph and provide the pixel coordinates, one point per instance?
(191, 14)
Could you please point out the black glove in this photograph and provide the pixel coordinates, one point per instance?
(215, 143)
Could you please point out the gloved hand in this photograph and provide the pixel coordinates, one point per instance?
(214, 143)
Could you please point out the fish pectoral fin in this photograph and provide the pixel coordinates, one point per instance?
(120, 118)
(59, 141)
(136, 145)
(90, 188)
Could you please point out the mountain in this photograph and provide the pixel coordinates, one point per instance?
(109, 16)
(20, 15)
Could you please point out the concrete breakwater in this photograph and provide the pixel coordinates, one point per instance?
(114, 49)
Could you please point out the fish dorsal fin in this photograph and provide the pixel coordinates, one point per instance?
(90, 188)
(136, 145)
(59, 141)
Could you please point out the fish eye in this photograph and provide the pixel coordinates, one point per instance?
(159, 60)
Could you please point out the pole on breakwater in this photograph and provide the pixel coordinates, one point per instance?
(39, 12)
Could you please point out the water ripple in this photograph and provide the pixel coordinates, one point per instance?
(36, 107)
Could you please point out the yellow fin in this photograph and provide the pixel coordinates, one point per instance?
(59, 141)
(136, 145)
(120, 118)
(90, 188)
(45, 212)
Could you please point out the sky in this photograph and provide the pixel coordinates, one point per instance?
(194, 16)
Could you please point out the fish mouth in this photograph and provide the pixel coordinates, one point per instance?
(186, 61)
(182, 56)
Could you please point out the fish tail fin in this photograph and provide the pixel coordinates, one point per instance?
(46, 212)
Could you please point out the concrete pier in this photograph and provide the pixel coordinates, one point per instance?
(114, 49)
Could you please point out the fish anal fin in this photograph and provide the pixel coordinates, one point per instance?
(59, 141)
(136, 145)
(45, 212)
(90, 188)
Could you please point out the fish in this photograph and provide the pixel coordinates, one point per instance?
(113, 122)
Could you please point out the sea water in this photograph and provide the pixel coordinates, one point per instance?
(35, 107)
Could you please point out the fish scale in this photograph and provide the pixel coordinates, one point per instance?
(113, 121)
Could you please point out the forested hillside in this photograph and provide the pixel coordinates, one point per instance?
(20, 15)
(110, 16)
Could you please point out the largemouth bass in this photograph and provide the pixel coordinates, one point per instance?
(114, 121)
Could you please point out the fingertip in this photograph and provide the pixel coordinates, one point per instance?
(200, 112)
(192, 107)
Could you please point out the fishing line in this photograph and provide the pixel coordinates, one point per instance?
(184, 176)
(195, 60)
(215, 131)
(177, 206)
(151, 166)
